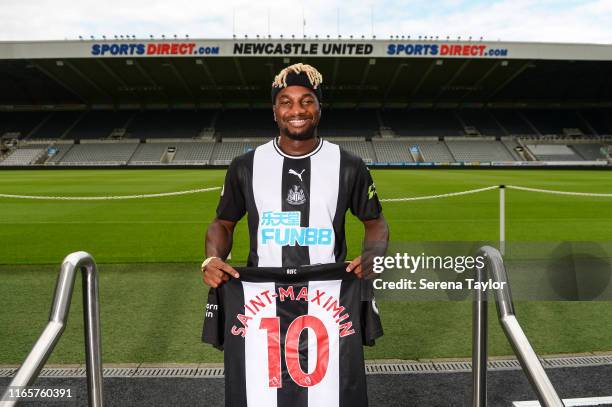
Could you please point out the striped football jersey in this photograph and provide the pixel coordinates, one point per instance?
(296, 205)
(293, 336)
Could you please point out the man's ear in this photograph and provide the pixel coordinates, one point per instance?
(274, 111)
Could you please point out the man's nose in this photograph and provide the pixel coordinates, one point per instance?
(297, 108)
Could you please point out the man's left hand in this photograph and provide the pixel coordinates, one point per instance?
(355, 267)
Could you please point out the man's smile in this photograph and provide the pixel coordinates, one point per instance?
(299, 122)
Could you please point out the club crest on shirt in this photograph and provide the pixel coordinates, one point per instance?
(296, 196)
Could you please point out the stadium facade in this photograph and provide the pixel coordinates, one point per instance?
(401, 102)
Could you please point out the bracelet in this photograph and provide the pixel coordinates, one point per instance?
(208, 260)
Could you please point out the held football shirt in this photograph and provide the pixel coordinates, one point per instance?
(296, 205)
(292, 336)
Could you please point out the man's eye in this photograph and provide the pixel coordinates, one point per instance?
(284, 102)
(307, 102)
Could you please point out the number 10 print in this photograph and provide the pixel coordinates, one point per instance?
(292, 345)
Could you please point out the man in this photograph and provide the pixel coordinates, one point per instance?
(296, 174)
(296, 190)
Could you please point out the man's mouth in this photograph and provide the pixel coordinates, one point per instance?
(298, 122)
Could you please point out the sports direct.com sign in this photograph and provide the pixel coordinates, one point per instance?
(152, 49)
(456, 50)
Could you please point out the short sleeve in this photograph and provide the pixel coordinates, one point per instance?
(214, 319)
(364, 201)
(232, 205)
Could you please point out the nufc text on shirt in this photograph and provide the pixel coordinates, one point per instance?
(297, 204)
(292, 336)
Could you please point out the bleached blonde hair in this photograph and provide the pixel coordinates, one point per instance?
(314, 76)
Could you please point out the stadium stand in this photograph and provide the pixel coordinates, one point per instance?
(434, 151)
(359, 147)
(23, 156)
(57, 125)
(392, 151)
(423, 122)
(553, 152)
(193, 153)
(378, 97)
(479, 150)
(20, 124)
(148, 153)
(99, 154)
(463, 135)
(61, 150)
(556, 121)
(513, 122)
(348, 123)
(512, 145)
(169, 124)
(482, 121)
(244, 123)
(98, 124)
(225, 152)
(590, 152)
(599, 120)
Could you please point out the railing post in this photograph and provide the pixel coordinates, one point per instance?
(496, 272)
(93, 345)
(502, 219)
(479, 344)
(36, 359)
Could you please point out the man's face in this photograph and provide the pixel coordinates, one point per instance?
(297, 112)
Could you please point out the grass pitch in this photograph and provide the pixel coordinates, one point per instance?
(148, 250)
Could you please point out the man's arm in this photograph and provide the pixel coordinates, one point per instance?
(375, 244)
(219, 238)
(220, 232)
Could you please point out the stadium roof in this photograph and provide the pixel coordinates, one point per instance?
(132, 73)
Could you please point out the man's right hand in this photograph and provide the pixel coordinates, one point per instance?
(218, 272)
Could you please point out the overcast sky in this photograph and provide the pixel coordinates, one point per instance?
(587, 21)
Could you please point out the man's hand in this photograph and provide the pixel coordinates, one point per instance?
(218, 272)
(355, 267)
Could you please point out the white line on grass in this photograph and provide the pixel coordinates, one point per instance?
(108, 198)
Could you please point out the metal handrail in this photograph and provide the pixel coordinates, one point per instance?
(518, 340)
(36, 359)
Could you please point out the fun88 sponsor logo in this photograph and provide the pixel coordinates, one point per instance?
(283, 229)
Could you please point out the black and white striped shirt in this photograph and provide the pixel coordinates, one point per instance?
(296, 205)
(292, 336)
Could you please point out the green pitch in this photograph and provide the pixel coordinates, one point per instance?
(152, 297)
